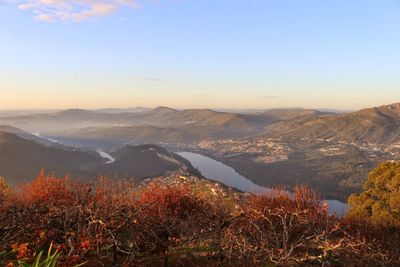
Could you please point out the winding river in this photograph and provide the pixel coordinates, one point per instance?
(212, 169)
(218, 171)
(110, 159)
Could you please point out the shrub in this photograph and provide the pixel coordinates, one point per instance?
(48, 189)
(380, 201)
(185, 224)
(277, 227)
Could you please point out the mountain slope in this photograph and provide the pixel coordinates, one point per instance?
(205, 119)
(25, 135)
(380, 125)
(173, 126)
(145, 161)
(21, 160)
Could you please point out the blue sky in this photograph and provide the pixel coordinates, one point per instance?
(204, 53)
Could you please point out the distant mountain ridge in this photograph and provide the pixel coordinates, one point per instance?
(161, 124)
(160, 116)
(164, 124)
(380, 125)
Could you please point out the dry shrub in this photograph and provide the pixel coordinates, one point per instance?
(296, 230)
(107, 222)
(276, 227)
(113, 192)
(48, 190)
(76, 216)
(170, 217)
(178, 202)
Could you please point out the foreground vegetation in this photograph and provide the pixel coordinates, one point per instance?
(182, 223)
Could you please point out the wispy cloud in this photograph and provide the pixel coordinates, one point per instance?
(269, 97)
(150, 79)
(73, 10)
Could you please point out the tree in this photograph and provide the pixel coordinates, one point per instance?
(380, 200)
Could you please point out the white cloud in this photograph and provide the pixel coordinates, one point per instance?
(73, 10)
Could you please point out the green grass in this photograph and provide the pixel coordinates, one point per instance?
(49, 260)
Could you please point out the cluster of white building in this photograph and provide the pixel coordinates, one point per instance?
(262, 150)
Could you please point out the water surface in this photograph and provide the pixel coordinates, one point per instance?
(220, 172)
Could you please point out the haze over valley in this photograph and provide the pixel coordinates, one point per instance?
(332, 152)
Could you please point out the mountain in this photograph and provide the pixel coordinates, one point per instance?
(23, 112)
(380, 125)
(145, 161)
(25, 135)
(281, 115)
(69, 114)
(123, 110)
(205, 120)
(130, 134)
(21, 159)
(16, 131)
(331, 152)
(54, 120)
(158, 125)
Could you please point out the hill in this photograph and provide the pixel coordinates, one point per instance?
(208, 122)
(145, 161)
(21, 159)
(380, 125)
(165, 125)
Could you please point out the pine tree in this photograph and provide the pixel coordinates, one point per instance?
(380, 200)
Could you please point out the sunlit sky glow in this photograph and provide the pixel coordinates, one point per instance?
(341, 54)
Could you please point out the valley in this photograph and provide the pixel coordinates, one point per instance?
(21, 159)
(330, 152)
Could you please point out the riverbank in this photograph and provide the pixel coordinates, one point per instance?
(218, 171)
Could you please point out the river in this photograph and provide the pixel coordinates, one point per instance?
(220, 172)
(110, 159)
(210, 168)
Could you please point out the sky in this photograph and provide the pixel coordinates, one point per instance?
(342, 54)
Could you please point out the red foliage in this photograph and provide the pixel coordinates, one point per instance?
(166, 202)
(21, 250)
(119, 222)
(47, 189)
